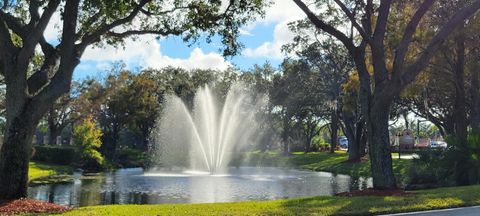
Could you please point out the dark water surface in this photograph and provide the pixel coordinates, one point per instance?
(134, 186)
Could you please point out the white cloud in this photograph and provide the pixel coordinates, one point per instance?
(283, 10)
(245, 32)
(197, 59)
(146, 53)
(280, 12)
(272, 49)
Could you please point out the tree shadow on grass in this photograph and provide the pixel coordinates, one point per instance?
(374, 205)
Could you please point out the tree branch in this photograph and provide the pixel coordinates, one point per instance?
(34, 35)
(377, 45)
(69, 59)
(381, 25)
(33, 10)
(13, 23)
(402, 47)
(352, 19)
(414, 69)
(143, 32)
(40, 77)
(6, 43)
(320, 24)
(95, 36)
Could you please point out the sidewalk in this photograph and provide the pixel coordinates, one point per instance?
(463, 211)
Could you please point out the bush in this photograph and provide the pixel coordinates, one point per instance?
(431, 169)
(459, 164)
(61, 155)
(128, 157)
(319, 144)
(87, 137)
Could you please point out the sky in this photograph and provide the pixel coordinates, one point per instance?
(262, 39)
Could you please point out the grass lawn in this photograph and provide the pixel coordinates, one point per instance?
(323, 205)
(40, 172)
(328, 162)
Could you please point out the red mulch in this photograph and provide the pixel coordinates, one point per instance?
(30, 206)
(373, 192)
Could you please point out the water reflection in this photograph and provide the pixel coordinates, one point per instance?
(134, 186)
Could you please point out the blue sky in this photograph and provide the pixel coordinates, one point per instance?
(262, 39)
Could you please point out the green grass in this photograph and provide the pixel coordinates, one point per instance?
(327, 162)
(323, 205)
(40, 173)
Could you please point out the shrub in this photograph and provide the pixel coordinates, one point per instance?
(431, 169)
(459, 164)
(61, 155)
(87, 137)
(131, 158)
(319, 144)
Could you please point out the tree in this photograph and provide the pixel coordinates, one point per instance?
(365, 43)
(332, 63)
(308, 120)
(298, 99)
(114, 110)
(353, 120)
(64, 111)
(445, 92)
(142, 106)
(58, 118)
(87, 137)
(86, 23)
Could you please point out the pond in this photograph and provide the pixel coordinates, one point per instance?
(136, 186)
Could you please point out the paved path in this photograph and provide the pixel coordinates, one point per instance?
(465, 211)
(406, 156)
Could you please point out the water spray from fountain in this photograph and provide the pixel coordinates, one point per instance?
(206, 137)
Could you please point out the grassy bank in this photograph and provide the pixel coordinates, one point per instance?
(323, 205)
(327, 162)
(40, 173)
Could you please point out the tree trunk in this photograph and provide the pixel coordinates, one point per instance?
(356, 142)
(308, 145)
(14, 158)
(363, 142)
(52, 135)
(334, 131)
(350, 133)
(353, 148)
(475, 92)
(285, 132)
(285, 139)
(460, 114)
(379, 144)
(405, 118)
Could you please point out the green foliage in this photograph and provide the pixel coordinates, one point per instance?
(131, 158)
(431, 169)
(188, 19)
(87, 137)
(459, 164)
(55, 154)
(319, 143)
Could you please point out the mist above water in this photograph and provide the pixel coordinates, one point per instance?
(207, 136)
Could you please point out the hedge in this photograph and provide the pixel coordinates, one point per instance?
(61, 155)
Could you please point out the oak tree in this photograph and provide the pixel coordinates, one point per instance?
(83, 24)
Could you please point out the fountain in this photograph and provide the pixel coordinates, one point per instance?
(194, 145)
(205, 137)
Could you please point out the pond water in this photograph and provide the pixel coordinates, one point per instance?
(135, 186)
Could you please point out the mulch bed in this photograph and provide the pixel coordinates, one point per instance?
(373, 192)
(30, 206)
